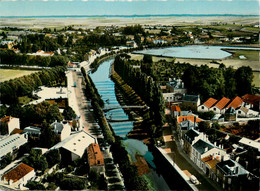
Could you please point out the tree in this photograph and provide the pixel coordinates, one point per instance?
(33, 185)
(47, 137)
(69, 113)
(36, 160)
(147, 59)
(54, 114)
(203, 126)
(53, 157)
(244, 78)
(72, 184)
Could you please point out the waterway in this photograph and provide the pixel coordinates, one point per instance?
(123, 124)
(195, 51)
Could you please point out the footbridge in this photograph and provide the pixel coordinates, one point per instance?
(109, 108)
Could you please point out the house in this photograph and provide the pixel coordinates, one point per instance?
(188, 140)
(8, 124)
(251, 101)
(18, 177)
(169, 97)
(245, 112)
(210, 163)
(73, 147)
(205, 107)
(247, 143)
(12, 143)
(32, 131)
(61, 129)
(41, 53)
(192, 118)
(198, 149)
(95, 157)
(176, 88)
(219, 107)
(175, 110)
(232, 176)
(191, 102)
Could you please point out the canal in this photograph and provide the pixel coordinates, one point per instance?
(122, 124)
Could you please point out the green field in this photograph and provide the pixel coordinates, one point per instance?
(7, 74)
(251, 55)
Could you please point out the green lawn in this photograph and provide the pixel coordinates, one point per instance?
(251, 55)
(7, 74)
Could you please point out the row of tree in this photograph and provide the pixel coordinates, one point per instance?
(144, 85)
(23, 86)
(8, 57)
(97, 104)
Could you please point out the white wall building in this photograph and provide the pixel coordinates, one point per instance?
(11, 122)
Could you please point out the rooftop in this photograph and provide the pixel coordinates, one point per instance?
(6, 119)
(222, 103)
(251, 143)
(191, 118)
(76, 143)
(251, 99)
(18, 172)
(175, 108)
(230, 167)
(235, 103)
(191, 134)
(210, 102)
(193, 98)
(95, 156)
(202, 146)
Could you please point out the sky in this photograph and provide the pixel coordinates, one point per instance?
(126, 7)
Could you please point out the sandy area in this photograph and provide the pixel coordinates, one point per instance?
(86, 22)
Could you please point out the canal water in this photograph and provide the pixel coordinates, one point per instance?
(121, 123)
(196, 51)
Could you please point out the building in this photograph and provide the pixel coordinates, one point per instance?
(235, 103)
(174, 90)
(251, 101)
(12, 143)
(95, 157)
(32, 131)
(205, 107)
(219, 107)
(230, 114)
(210, 163)
(232, 176)
(41, 53)
(189, 140)
(18, 177)
(73, 147)
(61, 129)
(8, 124)
(198, 149)
(190, 102)
(245, 112)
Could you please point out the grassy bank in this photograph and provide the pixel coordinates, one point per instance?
(7, 74)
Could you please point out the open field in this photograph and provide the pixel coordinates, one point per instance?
(83, 22)
(7, 74)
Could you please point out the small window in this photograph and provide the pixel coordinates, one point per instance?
(214, 109)
(202, 107)
(239, 112)
(78, 139)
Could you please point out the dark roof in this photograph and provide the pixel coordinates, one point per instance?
(230, 167)
(193, 98)
(201, 145)
(191, 134)
(231, 110)
(57, 127)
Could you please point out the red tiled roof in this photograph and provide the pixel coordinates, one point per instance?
(190, 118)
(175, 108)
(222, 103)
(6, 119)
(17, 173)
(95, 156)
(251, 99)
(235, 103)
(17, 131)
(210, 102)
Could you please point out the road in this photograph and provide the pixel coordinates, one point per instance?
(86, 116)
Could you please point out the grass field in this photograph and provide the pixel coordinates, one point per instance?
(251, 55)
(7, 74)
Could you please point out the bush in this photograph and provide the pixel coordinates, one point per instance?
(72, 184)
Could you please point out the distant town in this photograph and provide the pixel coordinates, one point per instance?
(130, 107)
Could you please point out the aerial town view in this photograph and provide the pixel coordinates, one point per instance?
(129, 95)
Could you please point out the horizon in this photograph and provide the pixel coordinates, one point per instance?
(90, 8)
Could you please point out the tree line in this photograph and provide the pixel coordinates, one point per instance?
(23, 86)
(144, 85)
(97, 104)
(8, 57)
